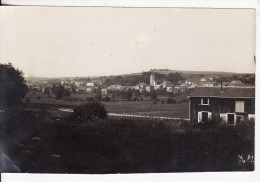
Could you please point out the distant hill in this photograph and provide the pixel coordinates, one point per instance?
(36, 78)
(167, 71)
(186, 74)
(58, 78)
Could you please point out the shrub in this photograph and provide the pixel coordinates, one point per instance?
(18, 118)
(27, 101)
(88, 99)
(106, 99)
(153, 94)
(171, 101)
(89, 112)
(162, 102)
(183, 101)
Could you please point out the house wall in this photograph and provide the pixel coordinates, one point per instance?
(219, 107)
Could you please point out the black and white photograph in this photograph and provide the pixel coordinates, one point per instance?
(108, 90)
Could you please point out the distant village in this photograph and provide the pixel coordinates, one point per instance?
(163, 86)
(228, 98)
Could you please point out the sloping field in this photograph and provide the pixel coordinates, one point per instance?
(147, 108)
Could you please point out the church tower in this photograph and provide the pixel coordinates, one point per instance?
(152, 80)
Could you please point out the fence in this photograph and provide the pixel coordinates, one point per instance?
(147, 117)
(123, 115)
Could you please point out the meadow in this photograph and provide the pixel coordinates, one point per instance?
(145, 108)
(148, 108)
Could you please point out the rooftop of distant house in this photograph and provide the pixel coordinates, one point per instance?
(224, 92)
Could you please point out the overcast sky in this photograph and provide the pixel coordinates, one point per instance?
(55, 42)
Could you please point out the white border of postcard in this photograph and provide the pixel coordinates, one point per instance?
(202, 176)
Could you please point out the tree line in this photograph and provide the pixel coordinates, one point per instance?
(131, 80)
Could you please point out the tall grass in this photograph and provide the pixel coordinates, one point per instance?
(134, 146)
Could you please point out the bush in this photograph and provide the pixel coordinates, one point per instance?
(88, 99)
(89, 112)
(153, 94)
(184, 101)
(106, 99)
(19, 118)
(162, 102)
(171, 101)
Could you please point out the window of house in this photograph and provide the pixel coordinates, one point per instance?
(231, 118)
(204, 116)
(205, 101)
(239, 106)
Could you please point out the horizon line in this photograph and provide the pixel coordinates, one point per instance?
(124, 74)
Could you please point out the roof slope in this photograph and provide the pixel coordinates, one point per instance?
(232, 92)
(236, 83)
(142, 84)
(167, 83)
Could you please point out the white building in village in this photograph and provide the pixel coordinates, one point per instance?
(152, 80)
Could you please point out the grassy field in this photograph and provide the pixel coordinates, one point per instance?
(147, 107)
(129, 146)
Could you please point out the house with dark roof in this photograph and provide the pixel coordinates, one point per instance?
(114, 87)
(167, 84)
(228, 105)
(141, 86)
(236, 83)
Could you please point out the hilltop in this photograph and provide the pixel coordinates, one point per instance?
(186, 74)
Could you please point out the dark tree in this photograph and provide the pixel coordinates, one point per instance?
(89, 112)
(66, 93)
(221, 80)
(175, 77)
(60, 92)
(113, 95)
(161, 91)
(106, 99)
(73, 89)
(27, 101)
(129, 94)
(137, 93)
(47, 91)
(153, 94)
(12, 86)
(98, 95)
(131, 80)
(248, 79)
(145, 93)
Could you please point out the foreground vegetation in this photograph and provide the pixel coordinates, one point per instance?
(46, 145)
